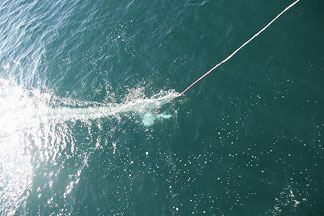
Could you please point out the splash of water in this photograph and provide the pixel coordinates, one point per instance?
(21, 108)
(28, 119)
(145, 106)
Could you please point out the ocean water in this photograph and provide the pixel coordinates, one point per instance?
(91, 121)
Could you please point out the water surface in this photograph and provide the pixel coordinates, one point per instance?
(91, 122)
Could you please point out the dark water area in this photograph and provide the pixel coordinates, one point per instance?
(91, 122)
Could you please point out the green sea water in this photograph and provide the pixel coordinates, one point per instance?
(91, 122)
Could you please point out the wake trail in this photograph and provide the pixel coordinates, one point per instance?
(139, 106)
(21, 109)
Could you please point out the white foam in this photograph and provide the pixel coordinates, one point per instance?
(27, 117)
(142, 105)
(21, 108)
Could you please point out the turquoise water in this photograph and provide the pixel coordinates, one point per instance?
(91, 122)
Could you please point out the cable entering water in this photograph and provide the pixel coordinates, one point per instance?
(238, 49)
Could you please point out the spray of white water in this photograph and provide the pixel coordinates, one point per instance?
(21, 108)
(144, 106)
(30, 119)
